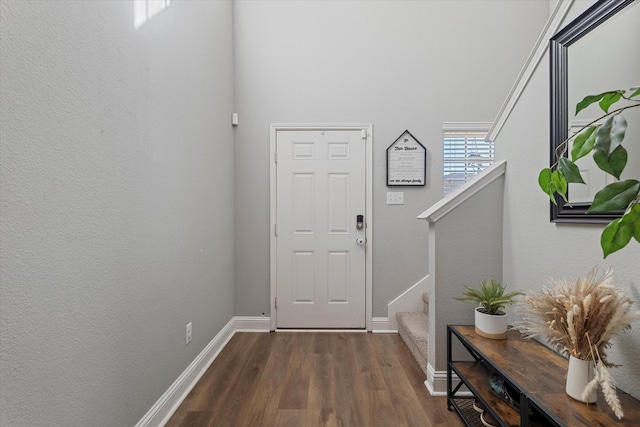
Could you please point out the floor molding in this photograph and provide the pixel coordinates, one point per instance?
(252, 324)
(171, 399)
(436, 383)
(380, 325)
(329, 331)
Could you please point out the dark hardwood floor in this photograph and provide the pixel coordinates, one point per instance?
(302, 379)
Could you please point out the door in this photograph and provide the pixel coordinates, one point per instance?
(320, 228)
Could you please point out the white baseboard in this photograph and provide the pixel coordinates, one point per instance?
(436, 383)
(380, 325)
(164, 408)
(252, 324)
(324, 331)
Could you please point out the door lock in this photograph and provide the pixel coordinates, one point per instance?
(359, 222)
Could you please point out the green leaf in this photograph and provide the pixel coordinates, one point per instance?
(610, 98)
(570, 170)
(615, 196)
(552, 182)
(491, 296)
(588, 100)
(634, 214)
(616, 235)
(559, 184)
(636, 91)
(611, 134)
(583, 143)
(613, 164)
(544, 181)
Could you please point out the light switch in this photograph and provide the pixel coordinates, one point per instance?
(395, 198)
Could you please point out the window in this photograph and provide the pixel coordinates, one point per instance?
(465, 153)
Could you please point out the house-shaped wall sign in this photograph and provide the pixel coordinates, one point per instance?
(406, 161)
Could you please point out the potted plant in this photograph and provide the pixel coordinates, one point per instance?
(490, 318)
(578, 319)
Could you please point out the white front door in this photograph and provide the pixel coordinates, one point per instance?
(320, 247)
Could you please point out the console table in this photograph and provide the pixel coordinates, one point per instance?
(535, 372)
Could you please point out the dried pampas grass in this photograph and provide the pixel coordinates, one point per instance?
(579, 319)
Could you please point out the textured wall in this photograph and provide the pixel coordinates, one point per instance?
(534, 248)
(397, 64)
(116, 204)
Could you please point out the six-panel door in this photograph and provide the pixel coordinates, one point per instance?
(320, 248)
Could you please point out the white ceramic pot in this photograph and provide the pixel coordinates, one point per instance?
(579, 373)
(492, 326)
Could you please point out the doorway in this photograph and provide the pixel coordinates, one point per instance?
(321, 227)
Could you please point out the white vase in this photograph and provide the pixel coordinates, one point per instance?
(492, 326)
(579, 374)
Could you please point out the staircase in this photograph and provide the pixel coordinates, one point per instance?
(413, 327)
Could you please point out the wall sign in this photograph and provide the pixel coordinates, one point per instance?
(406, 161)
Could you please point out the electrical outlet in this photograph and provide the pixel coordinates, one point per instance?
(189, 331)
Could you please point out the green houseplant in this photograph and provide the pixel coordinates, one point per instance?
(490, 300)
(603, 139)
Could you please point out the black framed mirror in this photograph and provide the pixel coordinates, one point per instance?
(559, 44)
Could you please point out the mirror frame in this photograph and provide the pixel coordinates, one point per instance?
(558, 57)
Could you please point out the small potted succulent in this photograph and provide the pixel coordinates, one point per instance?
(490, 318)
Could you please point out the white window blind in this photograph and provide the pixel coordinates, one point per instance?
(465, 154)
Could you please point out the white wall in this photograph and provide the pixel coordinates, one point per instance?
(116, 204)
(397, 64)
(534, 248)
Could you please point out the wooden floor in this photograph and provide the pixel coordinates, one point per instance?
(313, 379)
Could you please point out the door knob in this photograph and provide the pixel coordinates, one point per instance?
(360, 240)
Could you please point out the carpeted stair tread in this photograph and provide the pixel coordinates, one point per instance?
(414, 330)
(416, 325)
